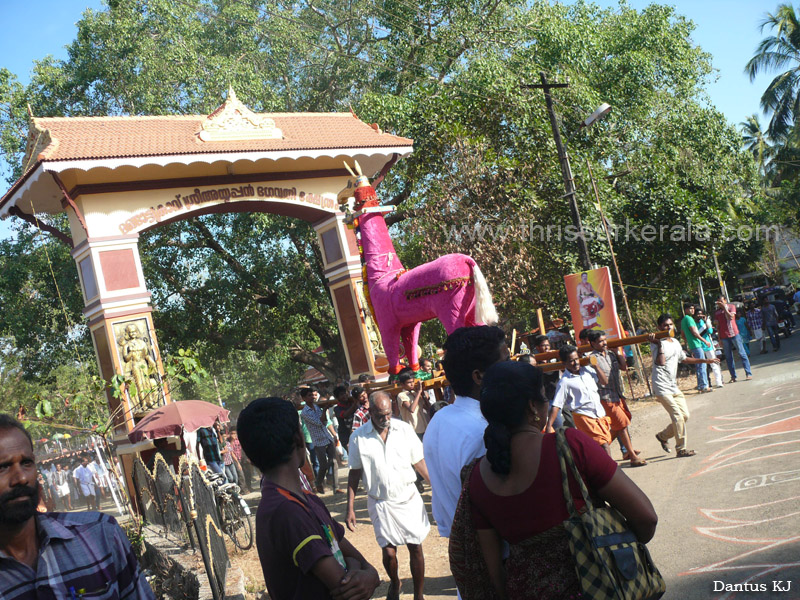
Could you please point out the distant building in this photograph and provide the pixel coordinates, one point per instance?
(781, 257)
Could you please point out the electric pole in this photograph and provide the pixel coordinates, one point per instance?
(566, 170)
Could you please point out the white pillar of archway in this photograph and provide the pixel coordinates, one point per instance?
(119, 315)
(360, 336)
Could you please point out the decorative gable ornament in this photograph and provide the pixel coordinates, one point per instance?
(39, 139)
(234, 121)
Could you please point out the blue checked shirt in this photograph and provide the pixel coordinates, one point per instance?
(81, 555)
(316, 423)
(754, 320)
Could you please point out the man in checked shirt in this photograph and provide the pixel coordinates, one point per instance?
(324, 437)
(56, 555)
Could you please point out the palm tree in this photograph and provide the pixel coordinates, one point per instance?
(779, 51)
(757, 143)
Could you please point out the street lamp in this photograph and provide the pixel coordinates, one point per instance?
(600, 113)
(566, 170)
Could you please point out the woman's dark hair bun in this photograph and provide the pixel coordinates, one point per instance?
(497, 438)
(506, 391)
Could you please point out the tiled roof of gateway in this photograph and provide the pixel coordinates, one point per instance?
(113, 137)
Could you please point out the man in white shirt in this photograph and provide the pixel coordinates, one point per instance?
(667, 353)
(99, 475)
(385, 452)
(87, 481)
(454, 436)
(577, 390)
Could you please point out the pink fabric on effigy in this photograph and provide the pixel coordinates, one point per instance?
(450, 288)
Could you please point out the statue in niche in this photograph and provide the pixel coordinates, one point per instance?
(139, 368)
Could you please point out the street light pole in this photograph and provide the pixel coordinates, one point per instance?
(566, 170)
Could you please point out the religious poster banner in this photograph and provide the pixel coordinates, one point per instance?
(591, 302)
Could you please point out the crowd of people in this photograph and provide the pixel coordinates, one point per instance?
(67, 483)
(489, 452)
(501, 409)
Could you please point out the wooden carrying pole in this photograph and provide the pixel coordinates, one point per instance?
(557, 366)
(637, 339)
(540, 318)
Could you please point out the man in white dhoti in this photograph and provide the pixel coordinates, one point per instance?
(385, 452)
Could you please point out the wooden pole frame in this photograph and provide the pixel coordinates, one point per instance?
(636, 352)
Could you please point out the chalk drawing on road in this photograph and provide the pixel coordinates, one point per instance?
(763, 537)
(758, 481)
(747, 433)
(758, 413)
(747, 525)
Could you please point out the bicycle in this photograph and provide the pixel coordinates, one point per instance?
(234, 514)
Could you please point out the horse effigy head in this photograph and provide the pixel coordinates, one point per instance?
(364, 193)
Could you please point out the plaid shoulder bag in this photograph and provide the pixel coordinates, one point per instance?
(466, 558)
(610, 562)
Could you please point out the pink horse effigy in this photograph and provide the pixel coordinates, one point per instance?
(450, 288)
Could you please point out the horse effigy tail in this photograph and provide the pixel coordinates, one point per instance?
(484, 307)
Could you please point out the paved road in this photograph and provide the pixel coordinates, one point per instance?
(730, 516)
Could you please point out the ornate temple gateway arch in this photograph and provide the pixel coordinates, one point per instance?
(116, 177)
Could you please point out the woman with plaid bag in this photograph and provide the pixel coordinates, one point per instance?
(514, 494)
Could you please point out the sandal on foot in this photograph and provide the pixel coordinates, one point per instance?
(638, 463)
(684, 453)
(664, 445)
(627, 455)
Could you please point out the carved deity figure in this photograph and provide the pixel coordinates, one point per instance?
(139, 367)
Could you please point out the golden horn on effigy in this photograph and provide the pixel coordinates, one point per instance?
(349, 170)
(358, 169)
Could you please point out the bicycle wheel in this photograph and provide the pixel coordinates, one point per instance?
(240, 528)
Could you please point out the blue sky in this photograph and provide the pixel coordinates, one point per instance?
(727, 29)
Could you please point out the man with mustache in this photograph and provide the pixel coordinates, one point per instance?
(57, 555)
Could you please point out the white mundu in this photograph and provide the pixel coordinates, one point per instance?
(395, 506)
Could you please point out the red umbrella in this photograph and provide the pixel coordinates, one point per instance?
(172, 419)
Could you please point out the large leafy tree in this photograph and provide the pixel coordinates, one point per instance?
(484, 174)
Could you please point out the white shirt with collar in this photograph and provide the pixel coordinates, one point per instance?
(454, 438)
(388, 471)
(578, 392)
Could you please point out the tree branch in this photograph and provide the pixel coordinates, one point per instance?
(399, 216)
(269, 295)
(321, 363)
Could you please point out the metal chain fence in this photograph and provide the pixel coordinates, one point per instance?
(185, 505)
